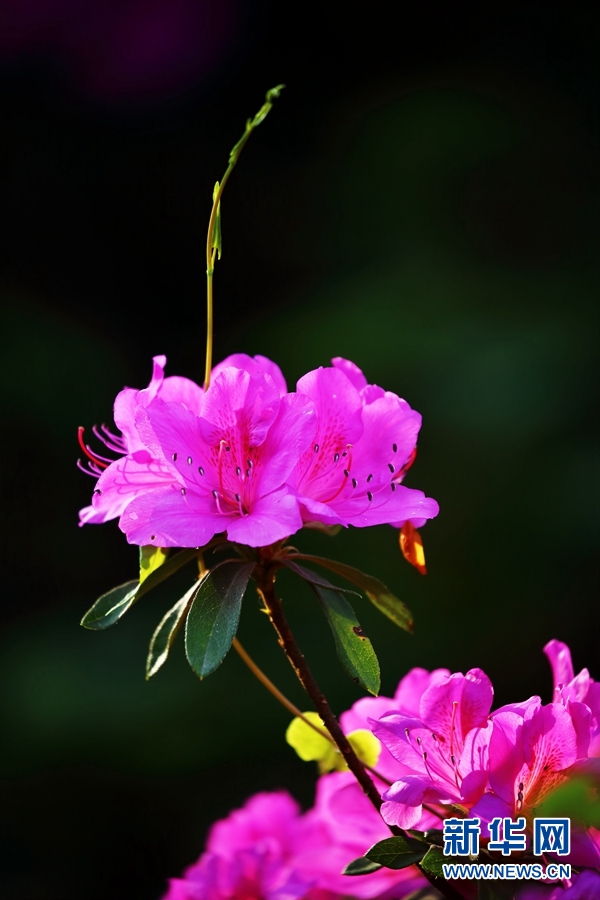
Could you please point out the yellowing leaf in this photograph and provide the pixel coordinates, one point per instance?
(411, 545)
(151, 558)
(366, 746)
(308, 743)
(314, 747)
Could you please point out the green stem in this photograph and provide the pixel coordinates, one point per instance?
(213, 238)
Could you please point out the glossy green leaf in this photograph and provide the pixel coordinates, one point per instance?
(361, 866)
(214, 615)
(353, 646)
(433, 861)
(151, 558)
(109, 608)
(377, 592)
(397, 852)
(166, 632)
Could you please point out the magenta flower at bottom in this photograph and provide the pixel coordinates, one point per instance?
(268, 850)
(249, 855)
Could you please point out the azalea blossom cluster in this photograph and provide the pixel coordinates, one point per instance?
(268, 850)
(248, 458)
(442, 746)
(442, 752)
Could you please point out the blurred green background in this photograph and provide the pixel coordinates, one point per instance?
(421, 201)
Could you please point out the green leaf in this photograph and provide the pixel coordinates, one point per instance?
(361, 866)
(354, 649)
(433, 860)
(151, 558)
(214, 615)
(166, 632)
(397, 852)
(314, 578)
(377, 592)
(168, 568)
(109, 608)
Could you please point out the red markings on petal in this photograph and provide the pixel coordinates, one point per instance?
(411, 545)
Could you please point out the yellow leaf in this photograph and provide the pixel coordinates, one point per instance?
(151, 558)
(366, 746)
(314, 747)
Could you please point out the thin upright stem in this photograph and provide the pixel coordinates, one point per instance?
(213, 237)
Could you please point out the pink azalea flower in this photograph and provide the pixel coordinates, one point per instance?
(136, 469)
(569, 688)
(341, 827)
(269, 851)
(252, 365)
(444, 749)
(249, 854)
(533, 750)
(405, 702)
(229, 465)
(364, 441)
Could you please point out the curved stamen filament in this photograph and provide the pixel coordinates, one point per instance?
(98, 460)
(110, 442)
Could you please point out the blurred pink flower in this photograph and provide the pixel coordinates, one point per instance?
(116, 49)
(268, 850)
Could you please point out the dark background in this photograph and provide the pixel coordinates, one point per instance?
(423, 199)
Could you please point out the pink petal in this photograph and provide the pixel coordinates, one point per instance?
(166, 518)
(123, 480)
(489, 807)
(351, 371)
(559, 657)
(271, 519)
(452, 707)
(288, 437)
(549, 745)
(506, 754)
(339, 423)
(239, 408)
(252, 365)
(177, 389)
(413, 686)
(403, 802)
